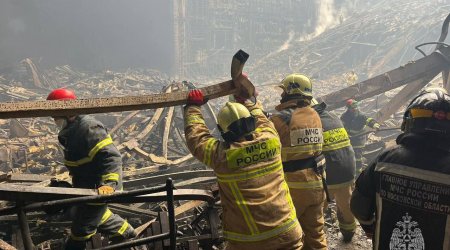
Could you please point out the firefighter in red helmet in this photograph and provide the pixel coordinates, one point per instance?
(95, 163)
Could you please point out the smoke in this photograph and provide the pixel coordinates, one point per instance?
(88, 35)
(327, 17)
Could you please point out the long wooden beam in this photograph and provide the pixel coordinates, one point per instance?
(425, 69)
(111, 104)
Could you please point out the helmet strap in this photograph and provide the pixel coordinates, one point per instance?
(299, 97)
(238, 129)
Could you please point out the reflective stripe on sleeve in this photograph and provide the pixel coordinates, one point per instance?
(123, 228)
(110, 177)
(105, 142)
(106, 216)
(82, 238)
(207, 155)
(194, 119)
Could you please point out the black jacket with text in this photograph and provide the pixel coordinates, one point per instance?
(404, 195)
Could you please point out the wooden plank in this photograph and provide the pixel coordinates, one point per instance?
(214, 221)
(6, 246)
(168, 122)
(108, 104)
(188, 206)
(123, 121)
(398, 100)
(197, 180)
(165, 228)
(136, 211)
(144, 226)
(28, 177)
(424, 69)
(156, 229)
(192, 244)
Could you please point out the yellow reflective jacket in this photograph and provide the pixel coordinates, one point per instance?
(301, 136)
(255, 197)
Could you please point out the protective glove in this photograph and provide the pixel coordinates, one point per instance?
(376, 126)
(195, 97)
(105, 190)
(242, 100)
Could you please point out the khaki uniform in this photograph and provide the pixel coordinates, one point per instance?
(257, 207)
(301, 136)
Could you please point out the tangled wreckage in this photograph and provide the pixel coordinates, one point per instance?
(171, 198)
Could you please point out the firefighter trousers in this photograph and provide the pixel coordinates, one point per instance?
(309, 207)
(88, 218)
(290, 240)
(342, 194)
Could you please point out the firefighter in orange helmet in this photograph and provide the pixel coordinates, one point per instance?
(300, 130)
(257, 208)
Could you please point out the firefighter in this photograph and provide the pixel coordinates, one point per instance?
(340, 161)
(95, 163)
(355, 123)
(402, 200)
(258, 212)
(300, 131)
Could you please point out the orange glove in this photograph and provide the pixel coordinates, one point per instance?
(105, 190)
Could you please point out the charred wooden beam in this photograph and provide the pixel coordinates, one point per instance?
(104, 105)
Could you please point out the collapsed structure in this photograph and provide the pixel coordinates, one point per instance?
(153, 147)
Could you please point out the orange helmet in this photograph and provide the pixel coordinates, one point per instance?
(61, 94)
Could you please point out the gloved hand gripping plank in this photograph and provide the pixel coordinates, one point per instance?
(238, 85)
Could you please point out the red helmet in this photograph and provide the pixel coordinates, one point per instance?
(61, 94)
(351, 103)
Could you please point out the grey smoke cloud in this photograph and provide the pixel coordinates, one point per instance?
(100, 34)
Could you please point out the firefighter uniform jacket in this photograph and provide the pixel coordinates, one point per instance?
(405, 195)
(301, 137)
(339, 154)
(355, 123)
(255, 197)
(90, 155)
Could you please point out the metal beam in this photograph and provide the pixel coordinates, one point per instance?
(425, 69)
(161, 178)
